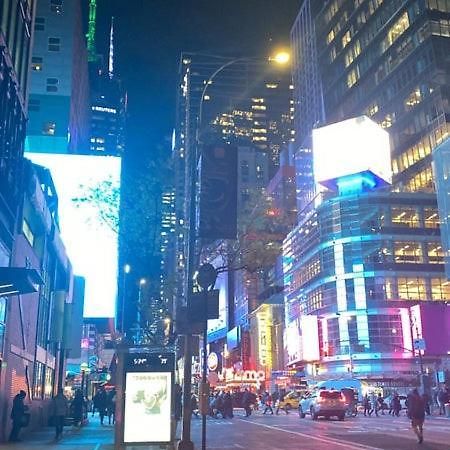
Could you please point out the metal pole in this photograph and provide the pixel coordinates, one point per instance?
(205, 364)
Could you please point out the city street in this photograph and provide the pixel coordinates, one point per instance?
(272, 432)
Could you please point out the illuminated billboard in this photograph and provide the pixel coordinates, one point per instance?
(354, 146)
(88, 190)
(147, 415)
(217, 328)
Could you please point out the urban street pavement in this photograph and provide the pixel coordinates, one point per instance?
(269, 432)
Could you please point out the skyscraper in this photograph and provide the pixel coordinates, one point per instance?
(16, 21)
(389, 60)
(59, 90)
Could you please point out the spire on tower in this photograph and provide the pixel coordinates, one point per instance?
(111, 50)
(92, 53)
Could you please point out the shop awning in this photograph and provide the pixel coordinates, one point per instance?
(19, 280)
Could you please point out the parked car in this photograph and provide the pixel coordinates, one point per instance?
(325, 403)
(290, 401)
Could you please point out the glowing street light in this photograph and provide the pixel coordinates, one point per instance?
(281, 58)
(127, 268)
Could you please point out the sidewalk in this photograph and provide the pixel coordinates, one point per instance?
(90, 437)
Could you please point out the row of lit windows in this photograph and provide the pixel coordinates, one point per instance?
(423, 181)
(440, 5)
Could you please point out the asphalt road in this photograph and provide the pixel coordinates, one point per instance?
(267, 433)
(290, 432)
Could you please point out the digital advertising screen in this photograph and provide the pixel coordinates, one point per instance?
(88, 189)
(147, 416)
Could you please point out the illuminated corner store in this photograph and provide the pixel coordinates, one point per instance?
(357, 267)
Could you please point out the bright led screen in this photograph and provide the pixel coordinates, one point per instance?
(147, 407)
(88, 190)
(350, 147)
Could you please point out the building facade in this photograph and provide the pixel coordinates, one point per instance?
(16, 25)
(353, 269)
(59, 88)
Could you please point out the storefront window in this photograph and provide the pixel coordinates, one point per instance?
(38, 381)
(2, 322)
(440, 289)
(48, 385)
(411, 288)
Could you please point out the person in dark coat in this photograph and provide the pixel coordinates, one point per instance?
(227, 406)
(178, 394)
(416, 412)
(112, 407)
(59, 409)
(102, 402)
(77, 408)
(17, 414)
(246, 403)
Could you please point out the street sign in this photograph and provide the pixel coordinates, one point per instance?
(419, 344)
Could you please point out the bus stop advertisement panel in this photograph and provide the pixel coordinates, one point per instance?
(148, 399)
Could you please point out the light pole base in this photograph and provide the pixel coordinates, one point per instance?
(185, 445)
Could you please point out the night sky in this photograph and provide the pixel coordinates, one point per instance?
(150, 35)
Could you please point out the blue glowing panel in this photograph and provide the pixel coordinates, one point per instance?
(88, 190)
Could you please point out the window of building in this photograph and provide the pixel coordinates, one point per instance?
(28, 232)
(56, 6)
(410, 288)
(405, 216)
(352, 77)
(439, 5)
(37, 63)
(48, 383)
(408, 252)
(399, 27)
(431, 217)
(440, 289)
(54, 44)
(39, 24)
(38, 381)
(49, 128)
(435, 253)
(52, 84)
(346, 39)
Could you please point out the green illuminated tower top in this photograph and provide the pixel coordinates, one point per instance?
(92, 53)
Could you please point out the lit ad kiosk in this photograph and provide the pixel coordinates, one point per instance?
(146, 404)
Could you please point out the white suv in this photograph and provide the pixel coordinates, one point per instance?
(326, 403)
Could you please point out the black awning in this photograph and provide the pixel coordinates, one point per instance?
(19, 280)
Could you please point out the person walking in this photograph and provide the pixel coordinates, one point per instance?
(267, 402)
(102, 402)
(427, 401)
(17, 415)
(373, 404)
(379, 406)
(59, 410)
(366, 404)
(246, 403)
(111, 407)
(194, 405)
(396, 405)
(228, 406)
(77, 408)
(442, 398)
(416, 412)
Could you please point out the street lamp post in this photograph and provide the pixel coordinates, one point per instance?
(185, 442)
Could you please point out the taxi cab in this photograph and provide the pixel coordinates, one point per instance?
(290, 401)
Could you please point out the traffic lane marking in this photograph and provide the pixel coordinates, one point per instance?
(346, 445)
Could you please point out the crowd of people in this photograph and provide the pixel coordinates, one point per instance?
(64, 411)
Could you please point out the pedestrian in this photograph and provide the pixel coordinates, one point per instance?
(59, 410)
(267, 402)
(194, 405)
(111, 408)
(246, 403)
(279, 403)
(373, 404)
(442, 398)
(228, 406)
(18, 416)
(379, 404)
(366, 403)
(396, 405)
(101, 403)
(416, 412)
(77, 408)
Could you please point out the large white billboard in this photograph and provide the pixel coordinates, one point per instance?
(350, 147)
(88, 190)
(147, 415)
